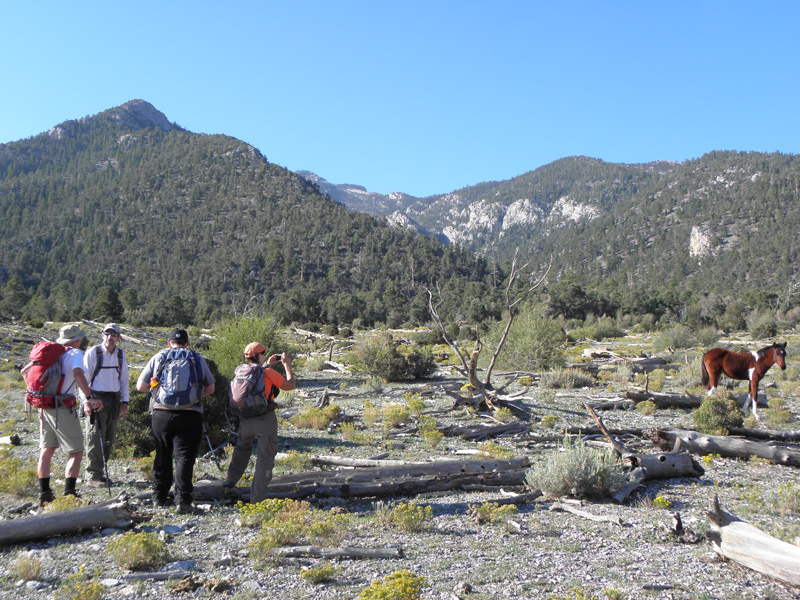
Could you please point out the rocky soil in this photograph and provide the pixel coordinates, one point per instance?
(541, 554)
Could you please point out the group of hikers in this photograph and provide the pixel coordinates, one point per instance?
(66, 385)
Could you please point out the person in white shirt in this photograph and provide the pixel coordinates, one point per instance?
(106, 368)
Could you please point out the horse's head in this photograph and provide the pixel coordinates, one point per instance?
(779, 352)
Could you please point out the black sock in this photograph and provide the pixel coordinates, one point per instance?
(44, 484)
(69, 485)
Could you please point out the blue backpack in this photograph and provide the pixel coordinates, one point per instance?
(179, 376)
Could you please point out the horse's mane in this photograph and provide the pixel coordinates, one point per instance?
(763, 352)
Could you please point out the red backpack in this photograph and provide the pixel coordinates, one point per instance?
(44, 378)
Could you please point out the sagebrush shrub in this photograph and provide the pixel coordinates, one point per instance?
(718, 414)
(566, 379)
(579, 470)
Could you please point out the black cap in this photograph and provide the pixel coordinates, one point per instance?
(179, 335)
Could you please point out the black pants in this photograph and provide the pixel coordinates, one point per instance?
(178, 433)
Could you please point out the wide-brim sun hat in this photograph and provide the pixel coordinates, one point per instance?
(70, 333)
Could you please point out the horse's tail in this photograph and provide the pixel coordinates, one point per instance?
(703, 371)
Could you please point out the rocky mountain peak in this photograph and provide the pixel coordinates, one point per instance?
(139, 114)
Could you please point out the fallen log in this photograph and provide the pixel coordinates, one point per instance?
(766, 434)
(46, 525)
(345, 552)
(665, 400)
(699, 443)
(749, 546)
(556, 506)
(612, 405)
(400, 480)
(479, 432)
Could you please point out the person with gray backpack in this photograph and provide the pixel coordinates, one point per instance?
(252, 402)
(178, 379)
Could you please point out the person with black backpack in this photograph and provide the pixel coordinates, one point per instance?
(59, 363)
(252, 401)
(106, 366)
(178, 379)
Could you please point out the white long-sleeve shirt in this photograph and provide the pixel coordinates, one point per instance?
(112, 376)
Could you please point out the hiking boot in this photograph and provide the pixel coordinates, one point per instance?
(97, 482)
(45, 498)
(71, 493)
(189, 509)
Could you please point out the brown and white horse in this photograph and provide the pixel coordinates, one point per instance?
(742, 365)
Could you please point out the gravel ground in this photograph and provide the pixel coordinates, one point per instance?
(542, 554)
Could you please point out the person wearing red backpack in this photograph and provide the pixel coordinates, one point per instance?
(262, 428)
(59, 426)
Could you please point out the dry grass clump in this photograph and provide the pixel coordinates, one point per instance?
(136, 550)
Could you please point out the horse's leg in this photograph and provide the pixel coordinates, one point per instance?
(753, 393)
(713, 379)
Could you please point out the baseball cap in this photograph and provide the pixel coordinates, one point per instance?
(178, 335)
(112, 327)
(253, 348)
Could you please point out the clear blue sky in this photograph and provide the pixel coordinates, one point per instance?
(423, 97)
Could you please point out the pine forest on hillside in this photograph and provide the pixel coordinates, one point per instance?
(126, 215)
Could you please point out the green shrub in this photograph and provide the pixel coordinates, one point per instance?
(676, 336)
(646, 408)
(404, 516)
(761, 325)
(135, 550)
(400, 585)
(79, 586)
(380, 357)
(316, 418)
(294, 462)
(718, 414)
(492, 513)
(287, 522)
(578, 471)
(395, 413)
(708, 336)
(321, 573)
(16, 477)
(565, 379)
(535, 342)
(371, 414)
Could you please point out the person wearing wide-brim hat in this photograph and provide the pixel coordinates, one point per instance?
(59, 426)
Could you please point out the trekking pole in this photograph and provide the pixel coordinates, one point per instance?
(92, 418)
(210, 447)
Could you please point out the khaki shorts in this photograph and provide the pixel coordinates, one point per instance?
(67, 436)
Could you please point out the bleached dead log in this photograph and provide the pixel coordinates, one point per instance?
(612, 405)
(749, 546)
(766, 434)
(586, 515)
(46, 525)
(400, 480)
(665, 400)
(699, 443)
(479, 432)
(156, 576)
(344, 552)
(344, 461)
